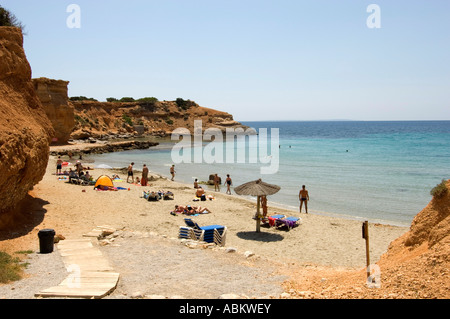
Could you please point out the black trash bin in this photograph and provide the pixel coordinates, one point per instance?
(46, 239)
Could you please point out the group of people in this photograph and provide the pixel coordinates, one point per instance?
(200, 193)
(216, 181)
(228, 182)
(74, 174)
(144, 177)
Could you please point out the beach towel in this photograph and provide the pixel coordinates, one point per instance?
(273, 219)
(290, 222)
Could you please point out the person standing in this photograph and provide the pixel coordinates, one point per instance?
(228, 182)
(264, 206)
(304, 198)
(59, 165)
(144, 178)
(130, 172)
(216, 183)
(79, 168)
(172, 172)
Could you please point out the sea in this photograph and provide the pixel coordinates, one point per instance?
(379, 171)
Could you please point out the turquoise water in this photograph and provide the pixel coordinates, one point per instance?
(376, 171)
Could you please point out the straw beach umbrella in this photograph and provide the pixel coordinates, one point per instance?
(257, 188)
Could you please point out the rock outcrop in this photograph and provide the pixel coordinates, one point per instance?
(90, 119)
(26, 131)
(55, 100)
(107, 119)
(415, 266)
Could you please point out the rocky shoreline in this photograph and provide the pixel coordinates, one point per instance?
(108, 147)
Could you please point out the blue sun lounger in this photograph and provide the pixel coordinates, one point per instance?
(210, 234)
(273, 219)
(290, 222)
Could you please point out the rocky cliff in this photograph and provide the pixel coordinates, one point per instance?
(420, 259)
(54, 98)
(25, 129)
(156, 118)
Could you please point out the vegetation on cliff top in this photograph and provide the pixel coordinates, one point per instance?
(181, 103)
(7, 19)
(439, 190)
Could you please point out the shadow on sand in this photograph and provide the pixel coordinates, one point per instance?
(262, 236)
(17, 223)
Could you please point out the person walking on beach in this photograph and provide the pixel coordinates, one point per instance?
(144, 178)
(304, 198)
(172, 172)
(130, 172)
(228, 182)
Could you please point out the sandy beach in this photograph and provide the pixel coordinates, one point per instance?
(318, 244)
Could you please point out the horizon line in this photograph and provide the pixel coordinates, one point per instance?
(343, 120)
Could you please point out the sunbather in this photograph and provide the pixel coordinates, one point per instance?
(190, 210)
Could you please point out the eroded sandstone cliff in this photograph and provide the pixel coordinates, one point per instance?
(160, 118)
(25, 129)
(55, 100)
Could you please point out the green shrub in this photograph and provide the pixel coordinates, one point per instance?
(439, 190)
(150, 100)
(127, 99)
(184, 104)
(7, 19)
(10, 268)
(82, 98)
(111, 99)
(127, 119)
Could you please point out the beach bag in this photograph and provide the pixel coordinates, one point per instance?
(203, 198)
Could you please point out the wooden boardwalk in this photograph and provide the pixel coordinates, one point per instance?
(90, 275)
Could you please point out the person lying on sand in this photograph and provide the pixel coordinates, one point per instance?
(191, 210)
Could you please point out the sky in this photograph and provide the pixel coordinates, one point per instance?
(255, 59)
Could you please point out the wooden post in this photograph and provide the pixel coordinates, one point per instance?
(258, 219)
(365, 230)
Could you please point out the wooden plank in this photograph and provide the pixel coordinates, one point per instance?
(59, 291)
(112, 280)
(81, 252)
(74, 245)
(88, 285)
(99, 274)
(95, 279)
(96, 233)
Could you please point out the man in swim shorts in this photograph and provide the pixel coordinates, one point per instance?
(304, 198)
(59, 165)
(130, 172)
(172, 172)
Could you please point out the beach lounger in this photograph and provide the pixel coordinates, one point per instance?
(152, 197)
(289, 222)
(190, 233)
(210, 234)
(273, 219)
